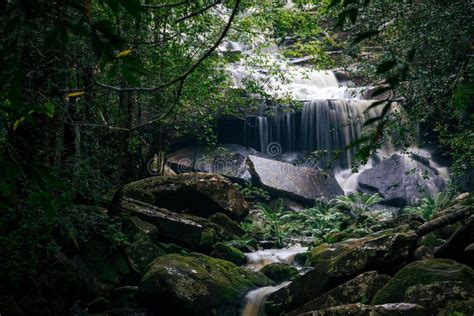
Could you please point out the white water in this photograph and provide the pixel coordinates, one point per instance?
(258, 259)
(255, 300)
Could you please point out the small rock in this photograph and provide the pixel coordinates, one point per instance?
(98, 305)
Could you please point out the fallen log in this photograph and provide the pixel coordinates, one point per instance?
(454, 214)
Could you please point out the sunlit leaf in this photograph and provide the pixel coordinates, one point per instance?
(75, 94)
(124, 53)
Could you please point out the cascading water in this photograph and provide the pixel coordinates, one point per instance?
(255, 300)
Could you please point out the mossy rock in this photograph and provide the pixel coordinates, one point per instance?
(195, 284)
(385, 252)
(360, 289)
(143, 251)
(280, 272)
(431, 240)
(439, 295)
(230, 227)
(463, 308)
(392, 246)
(141, 195)
(201, 194)
(133, 227)
(229, 253)
(423, 272)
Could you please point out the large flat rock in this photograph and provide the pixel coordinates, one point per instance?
(301, 184)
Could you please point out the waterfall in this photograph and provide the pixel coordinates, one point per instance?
(322, 125)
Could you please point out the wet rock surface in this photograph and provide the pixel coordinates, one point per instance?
(401, 181)
(335, 264)
(362, 288)
(196, 284)
(301, 184)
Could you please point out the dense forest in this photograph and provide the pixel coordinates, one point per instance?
(236, 157)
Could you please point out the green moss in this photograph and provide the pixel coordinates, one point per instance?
(196, 282)
(279, 272)
(422, 272)
(140, 195)
(229, 253)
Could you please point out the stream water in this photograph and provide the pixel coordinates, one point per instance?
(254, 300)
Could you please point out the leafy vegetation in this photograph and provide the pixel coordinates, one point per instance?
(356, 203)
(429, 206)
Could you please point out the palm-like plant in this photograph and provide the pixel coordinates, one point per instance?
(430, 205)
(356, 203)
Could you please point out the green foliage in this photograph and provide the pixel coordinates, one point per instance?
(356, 203)
(253, 193)
(285, 226)
(429, 206)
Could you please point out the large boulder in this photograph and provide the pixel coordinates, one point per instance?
(439, 295)
(200, 194)
(229, 253)
(358, 309)
(401, 181)
(224, 159)
(196, 284)
(362, 288)
(301, 184)
(334, 264)
(424, 272)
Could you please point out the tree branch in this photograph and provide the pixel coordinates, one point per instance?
(186, 74)
(165, 5)
(198, 11)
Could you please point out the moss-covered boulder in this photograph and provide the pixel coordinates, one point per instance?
(229, 253)
(437, 296)
(394, 246)
(423, 272)
(143, 251)
(358, 309)
(201, 194)
(229, 226)
(458, 308)
(360, 289)
(280, 272)
(196, 284)
(334, 264)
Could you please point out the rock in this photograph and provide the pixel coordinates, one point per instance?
(423, 253)
(195, 284)
(143, 251)
(362, 288)
(459, 308)
(302, 184)
(170, 226)
(334, 264)
(455, 247)
(231, 227)
(285, 204)
(398, 309)
(229, 253)
(400, 181)
(413, 220)
(438, 295)
(423, 272)
(224, 159)
(98, 305)
(279, 272)
(124, 297)
(194, 193)
(134, 228)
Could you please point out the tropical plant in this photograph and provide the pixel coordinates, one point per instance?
(357, 203)
(431, 204)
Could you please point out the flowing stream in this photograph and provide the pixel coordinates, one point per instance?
(255, 300)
